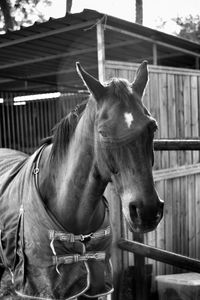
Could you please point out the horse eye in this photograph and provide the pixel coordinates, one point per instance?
(115, 172)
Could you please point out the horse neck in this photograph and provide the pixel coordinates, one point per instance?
(74, 192)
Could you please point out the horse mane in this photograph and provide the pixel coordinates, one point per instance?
(62, 133)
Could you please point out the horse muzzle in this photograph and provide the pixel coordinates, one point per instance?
(146, 218)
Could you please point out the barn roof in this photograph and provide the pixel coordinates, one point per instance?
(42, 57)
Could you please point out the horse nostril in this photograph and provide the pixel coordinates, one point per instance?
(158, 215)
(133, 211)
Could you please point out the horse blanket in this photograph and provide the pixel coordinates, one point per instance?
(44, 260)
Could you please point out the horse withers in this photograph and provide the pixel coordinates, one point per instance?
(54, 220)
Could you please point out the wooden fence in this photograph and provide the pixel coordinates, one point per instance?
(173, 98)
(24, 124)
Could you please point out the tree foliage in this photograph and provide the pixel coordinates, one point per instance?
(190, 27)
(17, 13)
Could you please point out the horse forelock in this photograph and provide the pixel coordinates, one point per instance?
(119, 88)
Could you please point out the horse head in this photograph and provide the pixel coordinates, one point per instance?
(123, 145)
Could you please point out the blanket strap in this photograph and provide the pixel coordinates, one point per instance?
(36, 169)
(69, 259)
(71, 238)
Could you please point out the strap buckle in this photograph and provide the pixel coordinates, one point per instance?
(36, 171)
(86, 237)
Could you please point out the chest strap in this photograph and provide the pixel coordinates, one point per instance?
(69, 259)
(36, 169)
(71, 238)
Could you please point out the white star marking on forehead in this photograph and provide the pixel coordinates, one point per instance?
(128, 119)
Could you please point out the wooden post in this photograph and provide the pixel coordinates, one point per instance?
(101, 51)
(155, 54)
(139, 280)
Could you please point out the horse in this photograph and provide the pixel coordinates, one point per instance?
(55, 231)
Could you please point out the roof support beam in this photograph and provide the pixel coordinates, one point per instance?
(135, 35)
(29, 78)
(47, 58)
(63, 55)
(163, 56)
(48, 33)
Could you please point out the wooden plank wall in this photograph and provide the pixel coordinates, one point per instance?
(173, 97)
(22, 127)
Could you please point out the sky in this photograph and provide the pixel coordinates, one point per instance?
(153, 10)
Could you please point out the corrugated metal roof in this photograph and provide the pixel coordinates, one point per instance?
(42, 57)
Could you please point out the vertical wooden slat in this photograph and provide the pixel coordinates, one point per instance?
(42, 125)
(12, 122)
(30, 140)
(33, 116)
(168, 218)
(191, 216)
(197, 214)
(38, 129)
(140, 285)
(22, 126)
(163, 125)
(180, 133)
(45, 117)
(176, 218)
(51, 103)
(8, 123)
(194, 115)
(187, 114)
(18, 136)
(171, 117)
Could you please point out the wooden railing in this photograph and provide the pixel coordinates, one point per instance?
(164, 256)
(176, 144)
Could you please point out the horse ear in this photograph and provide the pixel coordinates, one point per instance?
(141, 79)
(93, 85)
